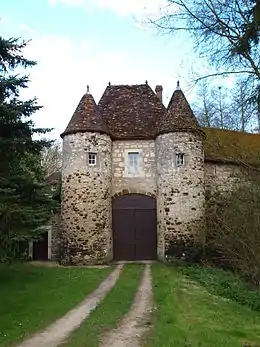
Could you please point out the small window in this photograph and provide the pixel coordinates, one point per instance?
(92, 159)
(179, 159)
(133, 163)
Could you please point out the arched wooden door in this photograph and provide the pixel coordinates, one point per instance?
(134, 227)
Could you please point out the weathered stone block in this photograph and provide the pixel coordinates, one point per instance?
(86, 219)
(175, 184)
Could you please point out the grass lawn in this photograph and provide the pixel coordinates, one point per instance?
(202, 307)
(117, 303)
(32, 297)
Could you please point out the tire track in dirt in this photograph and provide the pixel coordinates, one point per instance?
(132, 327)
(56, 333)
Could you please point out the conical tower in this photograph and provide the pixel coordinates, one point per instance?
(86, 230)
(180, 179)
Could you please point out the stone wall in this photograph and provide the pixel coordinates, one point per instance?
(55, 237)
(85, 234)
(220, 176)
(86, 230)
(181, 198)
(145, 181)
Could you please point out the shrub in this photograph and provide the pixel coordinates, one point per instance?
(233, 230)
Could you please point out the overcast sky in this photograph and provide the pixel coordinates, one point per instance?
(91, 42)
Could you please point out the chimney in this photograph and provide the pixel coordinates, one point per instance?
(158, 91)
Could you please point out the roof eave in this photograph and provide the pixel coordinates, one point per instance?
(198, 131)
(82, 131)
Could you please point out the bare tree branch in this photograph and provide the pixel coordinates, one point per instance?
(51, 159)
(227, 33)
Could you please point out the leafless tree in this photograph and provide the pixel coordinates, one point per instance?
(222, 34)
(226, 108)
(243, 108)
(204, 105)
(213, 106)
(51, 158)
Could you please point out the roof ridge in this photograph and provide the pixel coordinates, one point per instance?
(231, 131)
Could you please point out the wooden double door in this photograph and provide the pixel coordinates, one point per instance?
(134, 227)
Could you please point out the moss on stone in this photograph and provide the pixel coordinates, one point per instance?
(232, 147)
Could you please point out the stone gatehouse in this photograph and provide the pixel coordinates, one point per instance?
(134, 175)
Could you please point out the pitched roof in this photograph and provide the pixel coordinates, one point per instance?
(86, 118)
(53, 178)
(179, 115)
(235, 147)
(131, 111)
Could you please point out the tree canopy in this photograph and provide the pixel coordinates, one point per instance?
(25, 201)
(251, 28)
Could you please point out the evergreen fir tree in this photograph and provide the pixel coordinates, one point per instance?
(26, 204)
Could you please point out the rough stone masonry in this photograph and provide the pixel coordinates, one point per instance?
(130, 143)
(86, 204)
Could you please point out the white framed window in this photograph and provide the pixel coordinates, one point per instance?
(180, 159)
(133, 163)
(92, 159)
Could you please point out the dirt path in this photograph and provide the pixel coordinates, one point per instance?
(56, 333)
(134, 324)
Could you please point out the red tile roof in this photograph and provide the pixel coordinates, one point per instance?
(54, 177)
(131, 111)
(86, 118)
(135, 112)
(179, 116)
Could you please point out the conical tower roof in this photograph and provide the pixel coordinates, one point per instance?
(179, 115)
(86, 118)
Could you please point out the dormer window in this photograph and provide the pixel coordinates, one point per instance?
(92, 159)
(180, 159)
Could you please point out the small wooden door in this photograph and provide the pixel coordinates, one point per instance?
(40, 248)
(134, 227)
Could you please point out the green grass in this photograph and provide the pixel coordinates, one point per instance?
(32, 297)
(188, 314)
(117, 303)
(224, 283)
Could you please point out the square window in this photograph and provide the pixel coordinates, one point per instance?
(133, 163)
(92, 159)
(179, 159)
